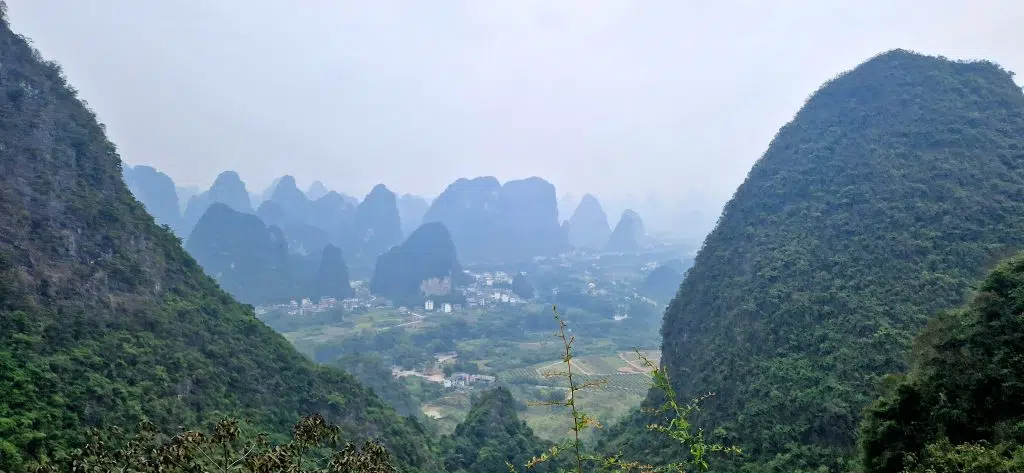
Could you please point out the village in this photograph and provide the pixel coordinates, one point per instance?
(437, 374)
(487, 289)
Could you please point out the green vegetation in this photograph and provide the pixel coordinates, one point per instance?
(891, 191)
(508, 343)
(315, 447)
(106, 321)
(491, 437)
(373, 373)
(678, 430)
(961, 406)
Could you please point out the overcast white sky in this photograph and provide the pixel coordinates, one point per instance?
(671, 97)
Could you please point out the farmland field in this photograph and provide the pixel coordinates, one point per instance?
(514, 344)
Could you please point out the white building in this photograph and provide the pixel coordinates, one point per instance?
(429, 305)
(446, 308)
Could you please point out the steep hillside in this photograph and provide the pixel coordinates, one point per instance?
(375, 374)
(424, 265)
(629, 234)
(105, 320)
(227, 189)
(492, 435)
(894, 187)
(965, 392)
(157, 193)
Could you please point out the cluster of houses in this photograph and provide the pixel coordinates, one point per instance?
(488, 289)
(435, 374)
(464, 380)
(305, 306)
(445, 307)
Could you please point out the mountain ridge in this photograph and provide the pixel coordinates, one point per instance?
(102, 309)
(889, 193)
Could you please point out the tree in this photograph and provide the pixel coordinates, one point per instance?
(313, 448)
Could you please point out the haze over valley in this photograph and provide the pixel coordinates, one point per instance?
(511, 236)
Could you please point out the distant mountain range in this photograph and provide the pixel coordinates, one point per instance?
(106, 322)
(486, 221)
(490, 221)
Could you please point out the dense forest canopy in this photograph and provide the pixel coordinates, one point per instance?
(106, 321)
(962, 403)
(891, 191)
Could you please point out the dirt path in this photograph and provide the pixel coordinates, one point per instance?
(636, 365)
(575, 366)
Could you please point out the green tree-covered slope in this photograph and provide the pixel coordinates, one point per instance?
(105, 320)
(963, 399)
(492, 435)
(895, 186)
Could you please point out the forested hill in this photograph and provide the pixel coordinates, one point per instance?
(492, 436)
(893, 189)
(963, 401)
(105, 320)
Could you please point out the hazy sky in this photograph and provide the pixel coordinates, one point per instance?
(671, 97)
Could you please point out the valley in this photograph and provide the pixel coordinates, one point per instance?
(443, 353)
(857, 307)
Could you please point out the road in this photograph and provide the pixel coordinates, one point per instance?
(419, 318)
